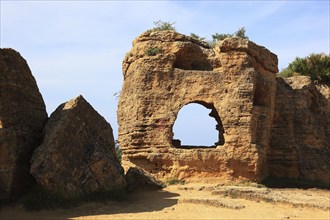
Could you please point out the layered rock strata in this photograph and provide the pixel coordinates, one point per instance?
(22, 118)
(77, 155)
(300, 137)
(165, 71)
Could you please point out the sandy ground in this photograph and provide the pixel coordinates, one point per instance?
(197, 202)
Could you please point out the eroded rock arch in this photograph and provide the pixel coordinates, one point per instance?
(225, 78)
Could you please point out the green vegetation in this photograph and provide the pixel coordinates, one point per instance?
(316, 66)
(219, 37)
(241, 33)
(152, 51)
(175, 182)
(162, 26)
(195, 36)
(118, 150)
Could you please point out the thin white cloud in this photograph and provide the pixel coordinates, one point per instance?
(77, 47)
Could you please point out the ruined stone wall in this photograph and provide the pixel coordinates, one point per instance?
(300, 137)
(165, 71)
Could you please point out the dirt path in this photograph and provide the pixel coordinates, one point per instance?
(197, 202)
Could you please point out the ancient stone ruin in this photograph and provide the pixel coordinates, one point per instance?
(300, 137)
(267, 126)
(236, 80)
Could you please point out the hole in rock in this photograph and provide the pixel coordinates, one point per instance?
(198, 125)
(191, 57)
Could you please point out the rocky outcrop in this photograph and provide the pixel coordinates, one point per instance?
(300, 138)
(165, 71)
(138, 179)
(22, 118)
(77, 155)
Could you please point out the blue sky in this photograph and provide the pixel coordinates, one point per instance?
(77, 47)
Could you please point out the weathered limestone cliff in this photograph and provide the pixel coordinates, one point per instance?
(300, 137)
(77, 155)
(22, 118)
(165, 71)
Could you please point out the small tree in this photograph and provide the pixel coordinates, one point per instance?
(241, 33)
(195, 36)
(162, 26)
(218, 37)
(316, 66)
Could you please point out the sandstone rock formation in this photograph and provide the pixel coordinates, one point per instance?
(300, 137)
(77, 155)
(165, 71)
(22, 117)
(138, 179)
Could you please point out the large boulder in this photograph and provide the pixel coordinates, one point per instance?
(22, 118)
(77, 155)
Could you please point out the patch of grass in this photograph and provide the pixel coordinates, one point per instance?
(175, 182)
(152, 51)
(286, 74)
(39, 199)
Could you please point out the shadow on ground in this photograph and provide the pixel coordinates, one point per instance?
(138, 202)
(146, 201)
